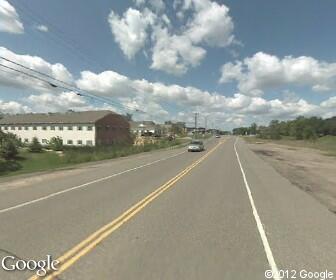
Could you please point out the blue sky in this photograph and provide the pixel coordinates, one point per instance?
(233, 61)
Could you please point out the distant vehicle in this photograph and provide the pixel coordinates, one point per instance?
(196, 146)
(217, 136)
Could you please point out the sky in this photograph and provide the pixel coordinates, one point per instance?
(234, 62)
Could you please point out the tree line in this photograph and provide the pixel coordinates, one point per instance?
(302, 128)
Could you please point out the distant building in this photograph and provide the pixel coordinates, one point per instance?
(150, 128)
(88, 128)
(172, 128)
(199, 130)
(145, 128)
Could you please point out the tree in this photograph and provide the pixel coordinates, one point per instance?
(35, 146)
(274, 130)
(8, 149)
(253, 129)
(10, 136)
(56, 143)
(240, 131)
(309, 134)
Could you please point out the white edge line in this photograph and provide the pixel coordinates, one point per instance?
(267, 248)
(85, 184)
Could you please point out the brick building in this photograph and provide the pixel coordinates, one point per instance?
(87, 128)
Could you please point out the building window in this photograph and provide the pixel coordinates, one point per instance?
(79, 142)
(60, 128)
(69, 142)
(44, 141)
(89, 142)
(26, 127)
(79, 128)
(107, 127)
(44, 127)
(69, 127)
(89, 127)
(19, 127)
(52, 127)
(12, 127)
(26, 140)
(6, 127)
(34, 127)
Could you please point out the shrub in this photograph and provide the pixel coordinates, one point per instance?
(14, 139)
(8, 149)
(309, 134)
(35, 146)
(56, 144)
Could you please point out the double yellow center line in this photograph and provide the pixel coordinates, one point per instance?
(85, 246)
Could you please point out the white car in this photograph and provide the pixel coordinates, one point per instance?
(196, 146)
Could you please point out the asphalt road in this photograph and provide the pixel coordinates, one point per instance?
(220, 214)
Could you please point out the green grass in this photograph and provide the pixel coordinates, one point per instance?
(326, 144)
(28, 162)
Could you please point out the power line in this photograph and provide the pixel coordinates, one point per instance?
(72, 46)
(27, 74)
(35, 71)
(59, 34)
(78, 91)
(73, 88)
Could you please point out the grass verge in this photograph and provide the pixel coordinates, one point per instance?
(28, 162)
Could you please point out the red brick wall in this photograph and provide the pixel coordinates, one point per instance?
(112, 129)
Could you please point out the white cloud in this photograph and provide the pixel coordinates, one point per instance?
(174, 54)
(138, 3)
(130, 30)
(174, 50)
(47, 102)
(42, 28)
(211, 24)
(264, 71)
(13, 79)
(157, 5)
(329, 103)
(231, 72)
(108, 83)
(12, 107)
(9, 19)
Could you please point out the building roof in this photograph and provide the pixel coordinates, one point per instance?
(141, 124)
(50, 118)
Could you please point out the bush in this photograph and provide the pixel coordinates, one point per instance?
(56, 144)
(8, 149)
(14, 139)
(35, 146)
(309, 134)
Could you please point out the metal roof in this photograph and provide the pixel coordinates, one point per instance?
(51, 118)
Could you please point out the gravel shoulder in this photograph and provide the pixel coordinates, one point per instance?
(308, 169)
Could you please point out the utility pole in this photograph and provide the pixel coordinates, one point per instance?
(205, 122)
(196, 115)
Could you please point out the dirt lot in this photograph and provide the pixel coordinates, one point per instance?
(309, 169)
